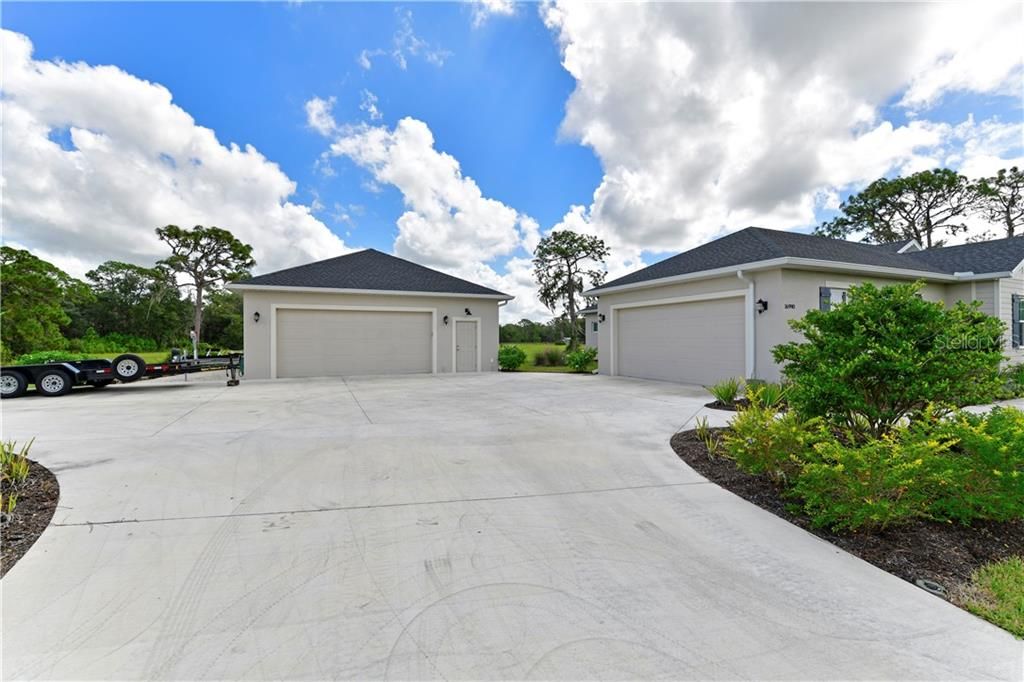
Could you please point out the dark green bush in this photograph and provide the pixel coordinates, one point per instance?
(91, 342)
(886, 354)
(40, 357)
(581, 359)
(554, 357)
(510, 358)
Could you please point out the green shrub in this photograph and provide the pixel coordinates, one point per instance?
(887, 353)
(767, 393)
(987, 466)
(581, 359)
(114, 342)
(707, 436)
(40, 357)
(1012, 378)
(726, 391)
(510, 358)
(891, 480)
(554, 357)
(14, 470)
(763, 442)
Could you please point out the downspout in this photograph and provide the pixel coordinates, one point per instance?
(749, 326)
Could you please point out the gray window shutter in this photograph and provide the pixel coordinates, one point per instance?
(824, 299)
(1015, 317)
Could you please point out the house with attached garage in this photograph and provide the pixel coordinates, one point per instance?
(367, 313)
(716, 311)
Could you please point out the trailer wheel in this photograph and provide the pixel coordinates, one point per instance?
(53, 382)
(129, 367)
(12, 384)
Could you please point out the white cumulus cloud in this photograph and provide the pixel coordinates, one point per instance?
(448, 223)
(484, 9)
(709, 117)
(95, 159)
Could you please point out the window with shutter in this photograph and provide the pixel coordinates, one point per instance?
(824, 299)
(1017, 316)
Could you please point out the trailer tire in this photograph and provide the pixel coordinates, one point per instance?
(12, 384)
(129, 367)
(53, 383)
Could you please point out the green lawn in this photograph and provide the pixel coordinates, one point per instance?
(148, 358)
(532, 349)
(997, 594)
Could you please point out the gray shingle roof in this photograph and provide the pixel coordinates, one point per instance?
(758, 244)
(893, 247)
(370, 270)
(999, 255)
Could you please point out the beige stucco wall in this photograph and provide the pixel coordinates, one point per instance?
(257, 334)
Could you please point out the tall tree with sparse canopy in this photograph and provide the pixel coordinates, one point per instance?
(925, 206)
(209, 257)
(560, 264)
(1001, 199)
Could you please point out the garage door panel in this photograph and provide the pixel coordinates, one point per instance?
(701, 342)
(313, 343)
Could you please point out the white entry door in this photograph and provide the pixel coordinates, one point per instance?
(466, 349)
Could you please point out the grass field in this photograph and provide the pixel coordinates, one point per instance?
(532, 349)
(148, 358)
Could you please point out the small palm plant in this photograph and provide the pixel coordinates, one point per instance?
(726, 392)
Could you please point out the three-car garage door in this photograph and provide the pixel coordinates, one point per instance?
(700, 342)
(317, 343)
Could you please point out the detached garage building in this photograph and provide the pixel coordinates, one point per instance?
(367, 313)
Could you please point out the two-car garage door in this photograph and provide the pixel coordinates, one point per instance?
(317, 343)
(699, 342)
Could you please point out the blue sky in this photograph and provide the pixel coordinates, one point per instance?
(656, 127)
(246, 71)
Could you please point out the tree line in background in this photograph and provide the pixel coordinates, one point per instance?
(126, 307)
(931, 206)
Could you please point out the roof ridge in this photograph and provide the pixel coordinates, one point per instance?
(760, 234)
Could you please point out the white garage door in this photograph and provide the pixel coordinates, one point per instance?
(696, 343)
(317, 343)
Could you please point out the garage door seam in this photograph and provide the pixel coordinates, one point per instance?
(360, 507)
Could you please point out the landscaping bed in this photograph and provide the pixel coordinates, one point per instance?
(944, 553)
(36, 502)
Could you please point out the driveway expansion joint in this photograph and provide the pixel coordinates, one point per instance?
(392, 505)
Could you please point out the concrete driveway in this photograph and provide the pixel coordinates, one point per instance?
(483, 526)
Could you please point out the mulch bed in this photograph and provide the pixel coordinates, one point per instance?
(37, 500)
(734, 406)
(944, 553)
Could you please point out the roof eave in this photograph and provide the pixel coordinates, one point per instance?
(370, 292)
(799, 263)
